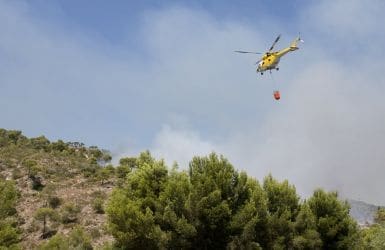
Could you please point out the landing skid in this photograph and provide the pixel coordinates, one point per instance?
(270, 70)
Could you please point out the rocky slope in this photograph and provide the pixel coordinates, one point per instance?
(362, 212)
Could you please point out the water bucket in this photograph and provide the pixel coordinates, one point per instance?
(277, 95)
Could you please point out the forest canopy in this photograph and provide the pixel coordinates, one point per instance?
(213, 206)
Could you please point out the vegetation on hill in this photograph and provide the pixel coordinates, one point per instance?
(51, 188)
(363, 212)
(58, 195)
(373, 237)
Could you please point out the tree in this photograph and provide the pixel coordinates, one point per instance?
(59, 146)
(103, 174)
(58, 242)
(133, 209)
(14, 135)
(8, 198)
(106, 157)
(50, 196)
(175, 211)
(379, 217)
(281, 196)
(306, 235)
(128, 161)
(30, 165)
(283, 206)
(121, 171)
(69, 213)
(97, 205)
(374, 236)
(45, 214)
(249, 223)
(40, 143)
(79, 239)
(336, 228)
(213, 181)
(33, 170)
(132, 226)
(9, 233)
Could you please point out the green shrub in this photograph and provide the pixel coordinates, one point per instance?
(94, 232)
(89, 170)
(49, 195)
(16, 173)
(122, 171)
(54, 201)
(79, 239)
(58, 242)
(97, 205)
(37, 182)
(40, 143)
(108, 246)
(8, 198)
(45, 215)
(69, 213)
(9, 234)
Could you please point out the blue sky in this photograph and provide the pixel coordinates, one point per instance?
(116, 31)
(161, 75)
(109, 19)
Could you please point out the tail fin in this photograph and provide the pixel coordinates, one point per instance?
(294, 44)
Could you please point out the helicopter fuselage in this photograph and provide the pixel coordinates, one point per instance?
(270, 60)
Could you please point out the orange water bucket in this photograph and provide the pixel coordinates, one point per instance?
(277, 95)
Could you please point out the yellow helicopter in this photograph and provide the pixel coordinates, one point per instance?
(270, 59)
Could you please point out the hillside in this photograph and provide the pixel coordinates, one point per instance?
(362, 212)
(66, 177)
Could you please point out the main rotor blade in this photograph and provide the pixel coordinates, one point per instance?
(276, 40)
(249, 52)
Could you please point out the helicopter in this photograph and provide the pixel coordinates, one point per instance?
(270, 59)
